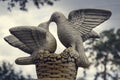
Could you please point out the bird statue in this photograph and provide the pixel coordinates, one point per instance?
(80, 23)
(31, 39)
(90, 35)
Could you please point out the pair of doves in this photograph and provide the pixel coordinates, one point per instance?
(72, 32)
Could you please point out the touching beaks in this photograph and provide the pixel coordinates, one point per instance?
(51, 19)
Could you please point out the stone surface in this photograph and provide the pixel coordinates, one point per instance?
(56, 66)
(53, 66)
(79, 24)
(32, 38)
(41, 44)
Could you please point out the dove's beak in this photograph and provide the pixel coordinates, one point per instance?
(51, 19)
(48, 22)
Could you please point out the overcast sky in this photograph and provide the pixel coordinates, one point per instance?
(35, 16)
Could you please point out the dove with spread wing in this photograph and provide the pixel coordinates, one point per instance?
(78, 28)
(31, 39)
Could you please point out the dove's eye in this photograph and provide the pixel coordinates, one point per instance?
(58, 16)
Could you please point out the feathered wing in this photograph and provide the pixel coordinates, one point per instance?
(13, 41)
(89, 35)
(84, 20)
(32, 37)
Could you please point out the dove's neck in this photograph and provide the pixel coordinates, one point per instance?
(61, 21)
(46, 27)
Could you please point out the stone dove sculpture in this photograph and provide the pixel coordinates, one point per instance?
(90, 35)
(80, 23)
(31, 39)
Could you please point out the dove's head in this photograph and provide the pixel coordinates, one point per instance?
(57, 17)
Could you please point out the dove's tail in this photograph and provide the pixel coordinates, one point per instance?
(82, 61)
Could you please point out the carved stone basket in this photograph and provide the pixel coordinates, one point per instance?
(56, 66)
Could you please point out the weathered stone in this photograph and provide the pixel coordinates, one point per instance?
(56, 66)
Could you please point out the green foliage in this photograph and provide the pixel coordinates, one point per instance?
(109, 44)
(107, 53)
(7, 72)
(23, 3)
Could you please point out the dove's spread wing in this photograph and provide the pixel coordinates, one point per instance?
(89, 35)
(12, 40)
(85, 20)
(32, 37)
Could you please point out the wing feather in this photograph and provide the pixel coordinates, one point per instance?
(33, 37)
(89, 35)
(84, 20)
(13, 41)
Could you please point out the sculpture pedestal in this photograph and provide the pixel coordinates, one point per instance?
(56, 66)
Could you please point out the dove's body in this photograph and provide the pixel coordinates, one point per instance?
(33, 38)
(67, 35)
(80, 23)
(50, 43)
(71, 38)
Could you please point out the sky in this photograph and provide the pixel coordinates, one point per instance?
(36, 16)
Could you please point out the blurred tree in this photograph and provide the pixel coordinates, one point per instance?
(23, 3)
(82, 77)
(106, 52)
(7, 72)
